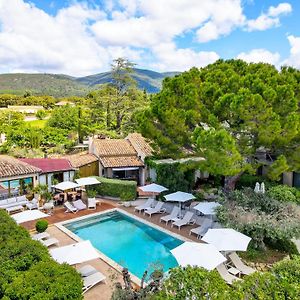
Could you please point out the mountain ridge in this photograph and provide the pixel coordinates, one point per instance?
(62, 85)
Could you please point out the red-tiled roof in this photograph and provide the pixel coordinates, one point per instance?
(48, 165)
(120, 161)
(140, 144)
(113, 147)
(10, 166)
(80, 159)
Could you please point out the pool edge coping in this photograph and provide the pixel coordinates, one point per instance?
(106, 259)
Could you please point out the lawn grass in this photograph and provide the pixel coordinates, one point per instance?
(37, 123)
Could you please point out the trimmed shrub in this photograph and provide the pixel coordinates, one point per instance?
(28, 272)
(284, 193)
(41, 225)
(116, 188)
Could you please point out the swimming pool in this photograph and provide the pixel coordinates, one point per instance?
(127, 241)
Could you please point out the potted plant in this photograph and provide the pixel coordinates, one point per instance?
(126, 197)
(38, 191)
(91, 194)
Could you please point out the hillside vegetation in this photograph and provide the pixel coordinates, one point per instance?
(63, 85)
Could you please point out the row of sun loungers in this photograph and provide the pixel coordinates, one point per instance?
(173, 217)
(78, 205)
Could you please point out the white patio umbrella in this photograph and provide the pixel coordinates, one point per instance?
(65, 185)
(257, 188)
(75, 253)
(153, 188)
(28, 215)
(262, 188)
(87, 181)
(179, 197)
(227, 239)
(207, 208)
(198, 254)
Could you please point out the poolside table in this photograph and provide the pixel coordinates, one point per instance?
(14, 208)
(234, 271)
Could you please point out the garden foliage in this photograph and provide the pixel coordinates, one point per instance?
(284, 193)
(28, 272)
(281, 282)
(176, 176)
(124, 189)
(225, 112)
(264, 219)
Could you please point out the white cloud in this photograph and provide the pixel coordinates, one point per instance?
(181, 59)
(294, 58)
(260, 55)
(82, 39)
(269, 19)
(281, 9)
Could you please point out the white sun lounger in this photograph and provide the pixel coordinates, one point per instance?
(246, 270)
(87, 270)
(158, 209)
(79, 205)
(229, 278)
(147, 204)
(174, 214)
(186, 220)
(41, 236)
(201, 230)
(50, 242)
(70, 207)
(92, 280)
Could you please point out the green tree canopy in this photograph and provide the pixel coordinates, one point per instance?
(226, 112)
(10, 119)
(115, 105)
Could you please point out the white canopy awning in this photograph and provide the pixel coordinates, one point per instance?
(198, 254)
(153, 188)
(125, 169)
(179, 197)
(207, 208)
(87, 181)
(75, 253)
(65, 185)
(227, 239)
(28, 215)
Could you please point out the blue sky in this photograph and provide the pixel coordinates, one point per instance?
(83, 37)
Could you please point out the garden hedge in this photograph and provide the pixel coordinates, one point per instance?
(27, 270)
(123, 189)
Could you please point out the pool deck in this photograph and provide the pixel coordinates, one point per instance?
(102, 291)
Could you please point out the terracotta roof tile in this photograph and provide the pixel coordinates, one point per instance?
(140, 144)
(120, 161)
(113, 147)
(10, 166)
(81, 159)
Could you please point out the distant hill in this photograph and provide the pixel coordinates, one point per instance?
(41, 84)
(63, 85)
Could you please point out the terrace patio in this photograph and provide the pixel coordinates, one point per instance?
(112, 275)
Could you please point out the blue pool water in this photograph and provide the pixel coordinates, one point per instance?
(130, 243)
